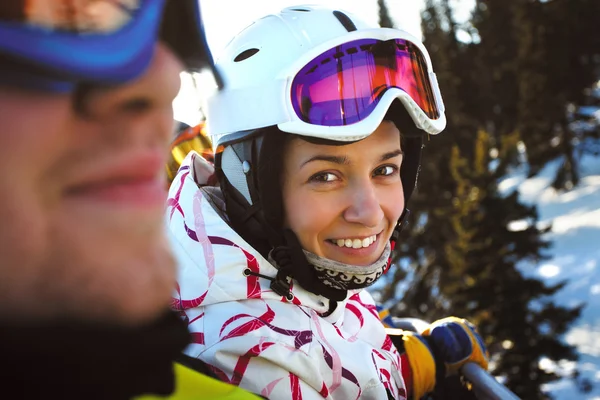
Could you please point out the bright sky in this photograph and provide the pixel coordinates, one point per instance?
(223, 19)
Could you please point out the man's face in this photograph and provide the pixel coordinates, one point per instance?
(82, 198)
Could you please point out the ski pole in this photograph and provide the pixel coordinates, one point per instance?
(486, 387)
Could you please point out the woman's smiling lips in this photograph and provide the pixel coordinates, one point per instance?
(355, 249)
(136, 180)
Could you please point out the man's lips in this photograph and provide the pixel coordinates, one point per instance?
(135, 180)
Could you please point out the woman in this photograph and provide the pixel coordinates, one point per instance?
(311, 200)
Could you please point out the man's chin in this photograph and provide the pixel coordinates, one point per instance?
(113, 280)
(145, 288)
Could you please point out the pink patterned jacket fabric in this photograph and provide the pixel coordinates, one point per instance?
(254, 338)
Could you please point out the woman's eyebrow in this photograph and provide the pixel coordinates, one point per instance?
(391, 154)
(342, 160)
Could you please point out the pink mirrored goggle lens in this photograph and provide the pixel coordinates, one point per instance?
(343, 85)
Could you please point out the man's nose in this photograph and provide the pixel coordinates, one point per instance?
(364, 206)
(147, 100)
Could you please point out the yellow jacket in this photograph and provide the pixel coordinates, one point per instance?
(190, 384)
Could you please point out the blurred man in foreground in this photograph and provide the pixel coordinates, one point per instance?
(86, 275)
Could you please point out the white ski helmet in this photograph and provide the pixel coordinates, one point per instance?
(322, 74)
(262, 64)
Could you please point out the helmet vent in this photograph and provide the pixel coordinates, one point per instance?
(246, 54)
(300, 9)
(345, 21)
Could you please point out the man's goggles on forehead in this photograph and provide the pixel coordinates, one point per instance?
(190, 139)
(57, 44)
(344, 90)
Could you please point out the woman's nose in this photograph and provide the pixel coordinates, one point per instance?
(364, 207)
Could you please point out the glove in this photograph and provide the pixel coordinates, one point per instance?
(451, 341)
(422, 364)
(455, 342)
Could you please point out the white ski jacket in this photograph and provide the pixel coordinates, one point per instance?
(255, 338)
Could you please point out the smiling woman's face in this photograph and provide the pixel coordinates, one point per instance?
(343, 202)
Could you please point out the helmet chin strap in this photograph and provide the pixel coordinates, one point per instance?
(292, 263)
(402, 223)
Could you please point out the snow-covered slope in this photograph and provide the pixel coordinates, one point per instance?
(575, 255)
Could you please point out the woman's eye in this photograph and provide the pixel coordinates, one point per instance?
(386, 170)
(324, 177)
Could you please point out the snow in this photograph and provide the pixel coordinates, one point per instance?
(575, 256)
(589, 111)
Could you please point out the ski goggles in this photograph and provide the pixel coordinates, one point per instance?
(343, 85)
(55, 45)
(342, 91)
(193, 138)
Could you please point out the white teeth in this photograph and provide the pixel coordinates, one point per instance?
(356, 243)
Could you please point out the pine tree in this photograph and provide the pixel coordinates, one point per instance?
(535, 61)
(495, 65)
(460, 256)
(384, 16)
(493, 290)
(573, 68)
(539, 109)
